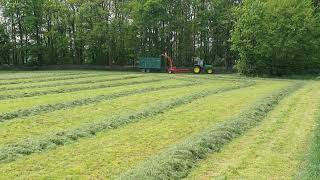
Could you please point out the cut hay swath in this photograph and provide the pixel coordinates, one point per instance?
(54, 140)
(178, 161)
(82, 102)
(60, 77)
(75, 89)
(84, 81)
(41, 76)
(311, 168)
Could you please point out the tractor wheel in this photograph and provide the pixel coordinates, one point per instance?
(209, 71)
(197, 70)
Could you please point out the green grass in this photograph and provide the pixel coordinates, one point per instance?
(166, 125)
(273, 150)
(177, 161)
(60, 138)
(12, 105)
(107, 125)
(73, 88)
(86, 80)
(310, 169)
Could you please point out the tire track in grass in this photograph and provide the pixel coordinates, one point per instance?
(178, 161)
(85, 81)
(42, 109)
(64, 77)
(75, 89)
(28, 147)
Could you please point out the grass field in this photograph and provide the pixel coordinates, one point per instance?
(117, 125)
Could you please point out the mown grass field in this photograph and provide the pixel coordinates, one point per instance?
(117, 125)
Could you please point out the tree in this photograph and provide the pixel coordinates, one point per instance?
(276, 38)
(5, 46)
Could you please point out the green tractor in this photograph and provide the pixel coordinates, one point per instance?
(200, 67)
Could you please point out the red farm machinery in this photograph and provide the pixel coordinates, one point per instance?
(159, 65)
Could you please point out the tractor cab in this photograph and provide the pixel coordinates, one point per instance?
(201, 67)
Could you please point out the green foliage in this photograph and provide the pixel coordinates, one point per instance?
(116, 32)
(5, 46)
(276, 37)
(176, 162)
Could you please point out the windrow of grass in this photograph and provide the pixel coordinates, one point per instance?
(29, 75)
(34, 145)
(54, 78)
(310, 169)
(12, 105)
(74, 88)
(68, 82)
(178, 161)
(233, 77)
(109, 153)
(272, 150)
(23, 128)
(37, 110)
(50, 123)
(7, 75)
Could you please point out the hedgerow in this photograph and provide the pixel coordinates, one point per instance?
(178, 161)
(82, 102)
(68, 83)
(51, 141)
(82, 88)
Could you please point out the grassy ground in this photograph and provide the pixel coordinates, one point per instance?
(275, 149)
(95, 124)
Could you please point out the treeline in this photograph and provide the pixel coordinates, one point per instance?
(110, 32)
(277, 37)
(250, 34)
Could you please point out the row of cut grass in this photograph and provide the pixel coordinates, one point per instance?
(68, 82)
(233, 77)
(37, 110)
(272, 150)
(311, 167)
(165, 101)
(93, 81)
(178, 161)
(4, 76)
(23, 128)
(74, 88)
(64, 120)
(112, 152)
(51, 79)
(10, 106)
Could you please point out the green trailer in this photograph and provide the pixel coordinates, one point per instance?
(151, 64)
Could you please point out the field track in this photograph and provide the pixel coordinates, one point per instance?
(116, 125)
